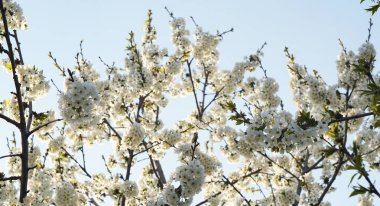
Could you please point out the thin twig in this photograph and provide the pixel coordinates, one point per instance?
(10, 155)
(351, 117)
(76, 161)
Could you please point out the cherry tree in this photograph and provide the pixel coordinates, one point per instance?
(284, 158)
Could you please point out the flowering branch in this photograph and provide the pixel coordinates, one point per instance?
(236, 189)
(42, 126)
(22, 124)
(76, 161)
(231, 183)
(152, 163)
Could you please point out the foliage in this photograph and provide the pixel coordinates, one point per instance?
(374, 7)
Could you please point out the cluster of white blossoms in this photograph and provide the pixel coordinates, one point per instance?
(10, 108)
(33, 82)
(133, 136)
(204, 50)
(16, 19)
(165, 140)
(8, 193)
(79, 105)
(180, 37)
(66, 195)
(191, 177)
(365, 200)
(367, 141)
(86, 71)
(41, 119)
(56, 144)
(41, 191)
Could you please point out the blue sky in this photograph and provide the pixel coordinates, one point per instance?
(310, 29)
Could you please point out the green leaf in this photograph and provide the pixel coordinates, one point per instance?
(351, 167)
(377, 124)
(373, 9)
(231, 105)
(352, 178)
(355, 148)
(357, 192)
(329, 151)
(305, 120)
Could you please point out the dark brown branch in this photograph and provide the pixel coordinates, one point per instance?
(41, 126)
(209, 198)
(22, 124)
(160, 171)
(10, 155)
(76, 161)
(232, 182)
(113, 129)
(272, 161)
(92, 200)
(329, 184)
(30, 116)
(106, 165)
(128, 174)
(160, 184)
(10, 178)
(146, 149)
(193, 87)
(214, 98)
(18, 48)
(236, 189)
(315, 165)
(351, 117)
(4, 117)
(364, 174)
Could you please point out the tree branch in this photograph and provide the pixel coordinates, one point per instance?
(329, 184)
(4, 117)
(233, 182)
(10, 155)
(351, 117)
(76, 161)
(10, 178)
(30, 116)
(41, 126)
(236, 189)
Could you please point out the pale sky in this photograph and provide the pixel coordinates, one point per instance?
(310, 29)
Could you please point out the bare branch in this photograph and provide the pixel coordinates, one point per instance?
(351, 117)
(10, 155)
(10, 178)
(76, 161)
(113, 129)
(30, 117)
(4, 117)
